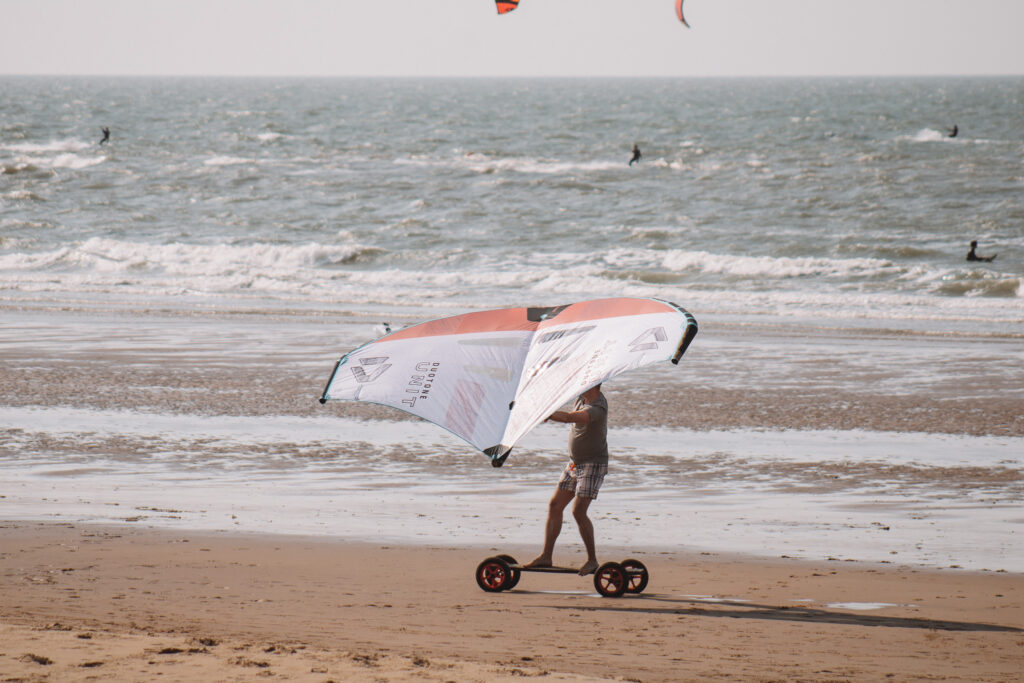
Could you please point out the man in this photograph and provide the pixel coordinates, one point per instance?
(582, 477)
(636, 155)
(971, 256)
(106, 135)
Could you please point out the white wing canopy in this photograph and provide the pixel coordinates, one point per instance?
(491, 377)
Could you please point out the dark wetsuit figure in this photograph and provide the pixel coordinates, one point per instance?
(106, 135)
(636, 155)
(953, 131)
(971, 256)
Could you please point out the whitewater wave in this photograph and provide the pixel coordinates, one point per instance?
(358, 275)
(483, 164)
(67, 145)
(73, 161)
(227, 161)
(33, 164)
(23, 195)
(103, 256)
(466, 268)
(973, 283)
(929, 135)
(777, 267)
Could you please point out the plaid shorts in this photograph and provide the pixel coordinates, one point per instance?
(584, 479)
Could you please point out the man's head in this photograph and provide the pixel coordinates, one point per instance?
(591, 393)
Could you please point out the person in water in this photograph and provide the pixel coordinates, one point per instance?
(582, 477)
(971, 256)
(106, 135)
(636, 155)
(953, 131)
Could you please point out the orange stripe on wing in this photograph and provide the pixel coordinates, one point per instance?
(502, 320)
(679, 13)
(506, 5)
(608, 308)
(517, 319)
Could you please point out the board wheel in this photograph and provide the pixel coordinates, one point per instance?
(516, 574)
(494, 575)
(611, 580)
(637, 574)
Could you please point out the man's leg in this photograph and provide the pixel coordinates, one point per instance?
(579, 511)
(553, 527)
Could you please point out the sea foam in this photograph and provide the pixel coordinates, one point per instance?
(66, 145)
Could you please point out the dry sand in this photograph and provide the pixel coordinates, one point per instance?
(81, 602)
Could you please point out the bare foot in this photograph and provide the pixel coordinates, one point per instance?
(589, 568)
(540, 561)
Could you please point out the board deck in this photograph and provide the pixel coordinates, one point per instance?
(549, 570)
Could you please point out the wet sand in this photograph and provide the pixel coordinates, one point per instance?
(732, 377)
(80, 602)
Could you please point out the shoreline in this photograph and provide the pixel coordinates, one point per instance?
(932, 501)
(734, 377)
(320, 609)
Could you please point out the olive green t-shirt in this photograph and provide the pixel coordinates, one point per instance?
(589, 442)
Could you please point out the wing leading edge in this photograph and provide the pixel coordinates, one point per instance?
(679, 13)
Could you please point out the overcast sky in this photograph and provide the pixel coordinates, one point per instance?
(541, 38)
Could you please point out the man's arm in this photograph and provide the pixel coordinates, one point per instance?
(580, 417)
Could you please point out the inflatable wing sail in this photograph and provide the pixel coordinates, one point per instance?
(491, 377)
(679, 13)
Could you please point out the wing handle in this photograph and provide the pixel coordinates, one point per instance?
(688, 335)
(499, 454)
(323, 397)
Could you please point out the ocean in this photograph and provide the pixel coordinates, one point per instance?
(236, 228)
(823, 199)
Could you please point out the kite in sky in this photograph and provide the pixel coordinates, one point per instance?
(505, 6)
(679, 12)
(492, 376)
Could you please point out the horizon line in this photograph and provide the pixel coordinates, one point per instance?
(510, 76)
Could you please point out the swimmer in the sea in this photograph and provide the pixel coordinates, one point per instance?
(106, 135)
(971, 256)
(953, 131)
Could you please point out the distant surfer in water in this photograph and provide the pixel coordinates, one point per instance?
(953, 131)
(636, 155)
(971, 256)
(582, 477)
(106, 135)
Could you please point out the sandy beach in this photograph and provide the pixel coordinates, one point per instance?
(870, 504)
(83, 602)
